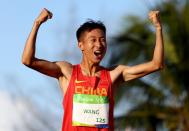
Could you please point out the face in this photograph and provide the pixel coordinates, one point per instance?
(93, 45)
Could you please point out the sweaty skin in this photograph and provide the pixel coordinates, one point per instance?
(92, 43)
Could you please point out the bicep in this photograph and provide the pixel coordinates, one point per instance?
(133, 72)
(46, 67)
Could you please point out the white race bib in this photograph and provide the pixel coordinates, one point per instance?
(90, 110)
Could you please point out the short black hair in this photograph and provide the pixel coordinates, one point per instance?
(88, 26)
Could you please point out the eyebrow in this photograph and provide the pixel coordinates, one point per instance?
(95, 37)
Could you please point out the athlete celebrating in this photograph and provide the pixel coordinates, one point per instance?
(88, 87)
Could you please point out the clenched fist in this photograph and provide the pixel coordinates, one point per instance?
(43, 16)
(154, 17)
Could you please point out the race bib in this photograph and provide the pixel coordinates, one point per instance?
(90, 110)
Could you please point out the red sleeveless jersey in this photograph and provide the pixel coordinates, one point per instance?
(81, 86)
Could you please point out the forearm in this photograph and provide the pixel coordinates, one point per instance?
(158, 57)
(29, 50)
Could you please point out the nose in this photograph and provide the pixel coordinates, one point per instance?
(99, 43)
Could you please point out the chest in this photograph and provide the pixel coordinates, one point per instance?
(91, 86)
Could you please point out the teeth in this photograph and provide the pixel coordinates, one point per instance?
(97, 51)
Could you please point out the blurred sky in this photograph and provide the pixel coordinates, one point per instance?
(56, 38)
(17, 19)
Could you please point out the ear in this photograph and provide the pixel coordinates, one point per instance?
(80, 45)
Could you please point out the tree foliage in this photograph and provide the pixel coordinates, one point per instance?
(164, 97)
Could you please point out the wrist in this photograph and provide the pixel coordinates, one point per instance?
(37, 23)
(158, 27)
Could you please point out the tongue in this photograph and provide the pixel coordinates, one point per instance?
(99, 56)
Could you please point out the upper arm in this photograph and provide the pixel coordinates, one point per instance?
(53, 69)
(133, 72)
(123, 73)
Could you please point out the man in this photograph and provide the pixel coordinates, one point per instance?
(88, 87)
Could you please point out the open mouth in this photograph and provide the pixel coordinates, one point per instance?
(98, 53)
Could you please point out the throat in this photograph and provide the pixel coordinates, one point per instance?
(90, 70)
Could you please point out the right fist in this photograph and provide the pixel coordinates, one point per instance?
(44, 16)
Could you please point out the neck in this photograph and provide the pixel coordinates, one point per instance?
(89, 68)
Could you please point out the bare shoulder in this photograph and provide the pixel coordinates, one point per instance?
(116, 72)
(66, 68)
(64, 63)
(117, 69)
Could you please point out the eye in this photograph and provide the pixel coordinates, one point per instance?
(92, 40)
(103, 40)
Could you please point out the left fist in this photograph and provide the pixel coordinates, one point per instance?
(154, 17)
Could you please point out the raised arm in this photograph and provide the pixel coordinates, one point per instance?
(53, 69)
(132, 72)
